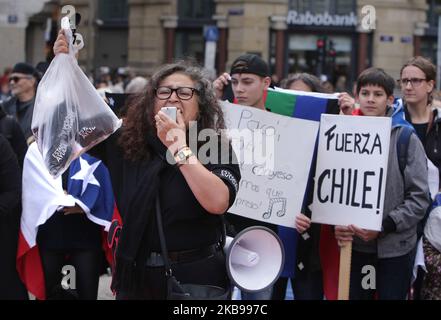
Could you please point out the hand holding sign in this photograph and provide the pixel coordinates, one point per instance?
(350, 182)
(351, 171)
(366, 235)
(302, 223)
(343, 234)
(273, 181)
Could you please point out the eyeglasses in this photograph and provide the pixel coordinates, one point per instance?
(17, 79)
(183, 93)
(415, 82)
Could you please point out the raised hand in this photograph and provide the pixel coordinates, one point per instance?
(60, 45)
(302, 223)
(220, 83)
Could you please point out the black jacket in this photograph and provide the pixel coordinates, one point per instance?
(10, 207)
(21, 112)
(432, 144)
(11, 130)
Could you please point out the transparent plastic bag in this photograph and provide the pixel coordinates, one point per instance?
(69, 116)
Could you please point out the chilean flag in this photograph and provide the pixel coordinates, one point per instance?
(89, 186)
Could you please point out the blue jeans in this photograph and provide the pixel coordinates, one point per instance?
(259, 295)
(392, 276)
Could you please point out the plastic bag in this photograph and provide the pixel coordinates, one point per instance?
(69, 115)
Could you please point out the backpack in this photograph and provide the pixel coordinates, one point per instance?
(402, 147)
(402, 150)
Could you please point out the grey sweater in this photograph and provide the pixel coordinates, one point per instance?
(406, 200)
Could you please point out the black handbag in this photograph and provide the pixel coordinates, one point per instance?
(187, 291)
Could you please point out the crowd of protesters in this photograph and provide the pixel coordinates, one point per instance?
(409, 217)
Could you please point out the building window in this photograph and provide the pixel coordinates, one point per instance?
(322, 6)
(113, 10)
(429, 49)
(429, 44)
(189, 44)
(333, 62)
(193, 15)
(433, 13)
(196, 9)
(344, 6)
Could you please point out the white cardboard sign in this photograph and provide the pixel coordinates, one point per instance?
(350, 178)
(275, 154)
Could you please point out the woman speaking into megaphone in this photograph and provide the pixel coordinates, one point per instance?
(149, 158)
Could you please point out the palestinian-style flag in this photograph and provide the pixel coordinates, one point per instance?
(300, 104)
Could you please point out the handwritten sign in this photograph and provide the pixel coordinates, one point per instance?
(351, 172)
(274, 153)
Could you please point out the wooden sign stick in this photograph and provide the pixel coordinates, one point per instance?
(344, 275)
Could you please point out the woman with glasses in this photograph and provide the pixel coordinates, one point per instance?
(417, 81)
(150, 158)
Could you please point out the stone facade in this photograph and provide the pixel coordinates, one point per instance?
(147, 23)
(250, 22)
(87, 28)
(250, 31)
(401, 20)
(245, 26)
(14, 15)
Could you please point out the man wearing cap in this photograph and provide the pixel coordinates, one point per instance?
(23, 83)
(250, 78)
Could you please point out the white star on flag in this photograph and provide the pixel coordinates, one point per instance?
(112, 102)
(86, 174)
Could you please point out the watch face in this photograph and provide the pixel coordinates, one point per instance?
(183, 155)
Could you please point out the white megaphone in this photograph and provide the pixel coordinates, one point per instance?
(255, 258)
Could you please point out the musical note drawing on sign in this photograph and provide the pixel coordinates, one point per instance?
(280, 207)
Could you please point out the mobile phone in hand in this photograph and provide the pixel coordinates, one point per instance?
(170, 111)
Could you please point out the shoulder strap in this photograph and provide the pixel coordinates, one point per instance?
(223, 225)
(168, 270)
(402, 147)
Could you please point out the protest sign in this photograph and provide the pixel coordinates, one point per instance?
(351, 171)
(274, 153)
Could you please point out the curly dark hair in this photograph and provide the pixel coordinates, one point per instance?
(139, 121)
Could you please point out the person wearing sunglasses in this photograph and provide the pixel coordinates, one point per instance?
(23, 84)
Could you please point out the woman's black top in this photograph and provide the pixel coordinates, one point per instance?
(186, 224)
(430, 136)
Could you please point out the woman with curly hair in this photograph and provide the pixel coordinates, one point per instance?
(149, 159)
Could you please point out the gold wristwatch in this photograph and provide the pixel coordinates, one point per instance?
(182, 155)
